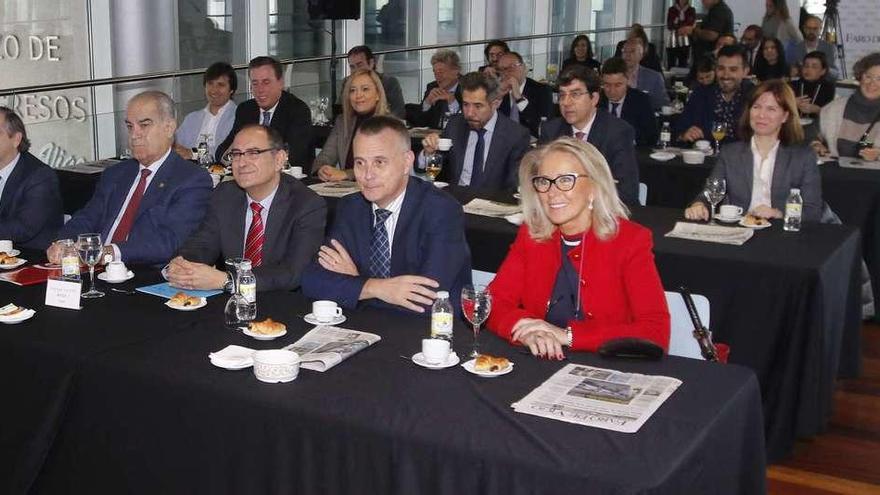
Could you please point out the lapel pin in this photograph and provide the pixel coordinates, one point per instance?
(161, 185)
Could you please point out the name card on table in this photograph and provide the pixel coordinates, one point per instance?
(63, 293)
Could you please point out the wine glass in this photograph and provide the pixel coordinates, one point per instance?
(90, 248)
(715, 190)
(433, 165)
(476, 303)
(719, 131)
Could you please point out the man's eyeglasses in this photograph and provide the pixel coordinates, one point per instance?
(564, 182)
(574, 95)
(234, 156)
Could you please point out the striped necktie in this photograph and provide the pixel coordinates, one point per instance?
(253, 249)
(380, 248)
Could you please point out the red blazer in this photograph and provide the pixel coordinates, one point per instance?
(621, 293)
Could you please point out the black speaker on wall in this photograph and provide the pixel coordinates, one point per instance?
(334, 9)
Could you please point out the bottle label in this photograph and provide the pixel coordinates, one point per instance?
(665, 136)
(793, 210)
(70, 266)
(249, 292)
(441, 324)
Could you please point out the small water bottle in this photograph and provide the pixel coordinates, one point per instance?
(69, 261)
(247, 287)
(202, 150)
(441, 317)
(541, 125)
(793, 208)
(665, 135)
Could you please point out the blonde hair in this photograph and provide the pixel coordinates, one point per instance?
(607, 206)
(348, 113)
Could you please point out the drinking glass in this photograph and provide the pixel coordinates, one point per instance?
(433, 165)
(90, 248)
(719, 131)
(232, 314)
(476, 303)
(715, 190)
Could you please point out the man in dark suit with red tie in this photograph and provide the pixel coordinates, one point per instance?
(629, 104)
(145, 207)
(265, 216)
(30, 202)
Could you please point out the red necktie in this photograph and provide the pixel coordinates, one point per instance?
(581, 136)
(253, 247)
(124, 227)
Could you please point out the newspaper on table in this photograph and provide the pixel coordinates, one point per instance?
(603, 398)
(850, 162)
(323, 347)
(488, 208)
(711, 233)
(91, 167)
(335, 189)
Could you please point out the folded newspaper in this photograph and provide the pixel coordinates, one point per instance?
(488, 208)
(323, 347)
(711, 233)
(335, 189)
(607, 399)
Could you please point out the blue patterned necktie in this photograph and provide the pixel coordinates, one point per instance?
(477, 168)
(267, 118)
(614, 107)
(380, 248)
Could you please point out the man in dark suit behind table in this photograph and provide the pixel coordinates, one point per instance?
(486, 146)
(525, 100)
(266, 216)
(579, 89)
(145, 207)
(629, 104)
(443, 94)
(399, 240)
(30, 201)
(274, 107)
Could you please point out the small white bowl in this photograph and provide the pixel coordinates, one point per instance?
(276, 365)
(693, 157)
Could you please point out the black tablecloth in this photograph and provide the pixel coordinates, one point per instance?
(132, 405)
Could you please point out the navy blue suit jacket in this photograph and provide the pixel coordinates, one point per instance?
(638, 113)
(700, 111)
(172, 207)
(613, 138)
(30, 209)
(428, 240)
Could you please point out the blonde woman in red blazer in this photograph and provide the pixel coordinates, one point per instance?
(572, 210)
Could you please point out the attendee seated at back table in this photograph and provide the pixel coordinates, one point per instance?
(398, 241)
(721, 102)
(265, 216)
(579, 91)
(846, 122)
(443, 95)
(771, 62)
(580, 53)
(30, 201)
(212, 123)
(771, 159)
(493, 52)
(486, 146)
(812, 42)
(361, 57)
(643, 78)
(274, 107)
(145, 207)
(525, 100)
(813, 89)
(649, 58)
(751, 40)
(726, 39)
(362, 97)
(627, 103)
(579, 272)
(705, 69)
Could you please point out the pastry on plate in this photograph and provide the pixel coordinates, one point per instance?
(755, 221)
(217, 169)
(6, 259)
(267, 327)
(184, 300)
(485, 362)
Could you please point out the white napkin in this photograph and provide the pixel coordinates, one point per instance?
(488, 208)
(232, 355)
(335, 189)
(516, 218)
(711, 233)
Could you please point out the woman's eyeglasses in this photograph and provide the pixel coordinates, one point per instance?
(564, 182)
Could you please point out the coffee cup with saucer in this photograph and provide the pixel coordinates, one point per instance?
(729, 213)
(325, 313)
(116, 272)
(436, 354)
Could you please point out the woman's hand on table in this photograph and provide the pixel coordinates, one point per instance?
(764, 211)
(819, 148)
(697, 211)
(542, 338)
(329, 173)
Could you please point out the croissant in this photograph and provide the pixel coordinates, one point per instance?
(485, 362)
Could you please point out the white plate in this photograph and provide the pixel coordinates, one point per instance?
(310, 319)
(806, 121)
(260, 336)
(14, 252)
(17, 264)
(451, 360)
(742, 223)
(735, 219)
(18, 318)
(662, 156)
(469, 366)
(202, 303)
(440, 184)
(105, 277)
(237, 366)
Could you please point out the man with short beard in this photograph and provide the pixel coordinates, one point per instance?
(812, 29)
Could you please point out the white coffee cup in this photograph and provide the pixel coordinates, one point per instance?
(6, 246)
(444, 144)
(276, 365)
(703, 145)
(730, 211)
(116, 270)
(435, 351)
(326, 311)
(296, 171)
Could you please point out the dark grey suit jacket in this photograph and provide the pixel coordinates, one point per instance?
(795, 167)
(30, 209)
(294, 231)
(510, 141)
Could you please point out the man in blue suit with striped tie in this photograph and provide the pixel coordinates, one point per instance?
(398, 241)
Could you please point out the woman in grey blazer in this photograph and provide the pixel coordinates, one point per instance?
(363, 97)
(770, 161)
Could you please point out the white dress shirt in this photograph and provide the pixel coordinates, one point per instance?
(762, 175)
(587, 128)
(270, 111)
(266, 203)
(391, 222)
(154, 169)
(468, 165)
(6, 172)
(209, 125)
(619, 107)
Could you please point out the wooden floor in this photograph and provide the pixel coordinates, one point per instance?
(846, 459)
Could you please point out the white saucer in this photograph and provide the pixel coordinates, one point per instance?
(105, 277)
(806, 121)
(735, 219)
(469, 366)
(26, 314)
(201, 304)
(451, 360)
(742, 223)
(239, 365)
(260, 336)
(662, 156)
(440, 184)
(17, 264)
(14, 252)
(310, 319)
